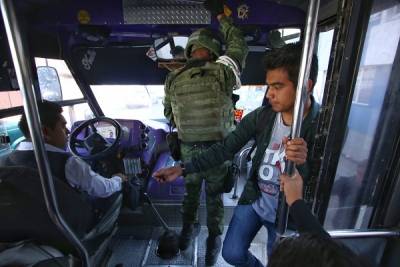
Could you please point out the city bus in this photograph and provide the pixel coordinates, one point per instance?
(105, 63)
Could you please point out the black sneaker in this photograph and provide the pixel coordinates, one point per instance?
(213, 249)
(188, 232)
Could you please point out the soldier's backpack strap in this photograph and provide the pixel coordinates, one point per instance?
(190, 64)
(262, 120)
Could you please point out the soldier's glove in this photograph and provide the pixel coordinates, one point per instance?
(216, 7)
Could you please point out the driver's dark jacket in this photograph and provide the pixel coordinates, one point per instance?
(245, 131)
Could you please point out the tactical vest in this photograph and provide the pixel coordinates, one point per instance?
(201, 105)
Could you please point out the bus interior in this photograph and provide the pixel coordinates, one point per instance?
(106, 62)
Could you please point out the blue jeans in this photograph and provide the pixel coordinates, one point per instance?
(242, 229)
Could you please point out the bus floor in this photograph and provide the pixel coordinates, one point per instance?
(136, 247)
(136, 240)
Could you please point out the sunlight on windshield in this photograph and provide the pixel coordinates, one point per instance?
(251, 97)
(131, 101)
(146, 102)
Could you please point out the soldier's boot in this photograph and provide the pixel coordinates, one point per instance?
(213, 249)
(188, 232)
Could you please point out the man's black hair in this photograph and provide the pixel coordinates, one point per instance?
(289, 57)
(313, 250)
(49, 114)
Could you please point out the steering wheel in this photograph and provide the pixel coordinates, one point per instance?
(94, 146)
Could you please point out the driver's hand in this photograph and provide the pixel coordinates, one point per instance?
(167, 174)
(122, 176)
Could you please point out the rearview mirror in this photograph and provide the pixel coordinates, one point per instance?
(279, 37)
(49, 83)
(171, 48)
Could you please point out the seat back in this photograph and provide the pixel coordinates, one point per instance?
(23, 211)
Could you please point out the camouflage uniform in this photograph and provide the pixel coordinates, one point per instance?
(198, 101)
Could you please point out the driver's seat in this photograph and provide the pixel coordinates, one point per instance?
(24, 215)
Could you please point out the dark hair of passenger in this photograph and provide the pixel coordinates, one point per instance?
(49, 114)
(313, 250)
(289, 57)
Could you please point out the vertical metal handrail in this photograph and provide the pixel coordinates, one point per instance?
(23, 71)
(301, 98)
(242, 154)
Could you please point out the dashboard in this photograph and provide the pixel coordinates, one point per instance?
(143, 151)
(148, 152)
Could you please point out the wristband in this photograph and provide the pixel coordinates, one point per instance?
(182, 165)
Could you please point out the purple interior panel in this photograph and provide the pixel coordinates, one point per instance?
(167, 191)
(111, 13)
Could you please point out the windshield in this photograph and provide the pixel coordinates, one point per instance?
(131, 101)
(145, 102)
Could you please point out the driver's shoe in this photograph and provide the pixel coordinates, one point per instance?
(187, 233)
(213, 249)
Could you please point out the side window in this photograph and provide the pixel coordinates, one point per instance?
(4, 144)
(324, 50)
(10, 99)
(77, 112)
(9, 132)
(70, 90)
(352, 199)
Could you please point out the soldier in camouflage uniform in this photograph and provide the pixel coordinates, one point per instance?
(198, 102)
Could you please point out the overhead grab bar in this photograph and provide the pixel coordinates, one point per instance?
(363, 234)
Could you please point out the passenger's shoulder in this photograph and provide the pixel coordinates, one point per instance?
(258, 113)
(263, 110)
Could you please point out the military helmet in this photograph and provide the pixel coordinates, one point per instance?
(204, 38)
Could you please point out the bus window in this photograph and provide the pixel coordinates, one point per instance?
(77, 112)
(10, 99)
(146, 102)
(251, 97)
(141, 102)
(324, 50)
(350, 204)
(9, 128)
(69, 89)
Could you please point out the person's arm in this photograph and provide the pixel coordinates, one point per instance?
(300, 213)
(81, 176)
(305, 220)
(217, 153)
(236, 46)
(167, 102)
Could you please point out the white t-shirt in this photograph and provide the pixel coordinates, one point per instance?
(270, 169)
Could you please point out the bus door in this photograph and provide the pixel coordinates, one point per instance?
(359, 132)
